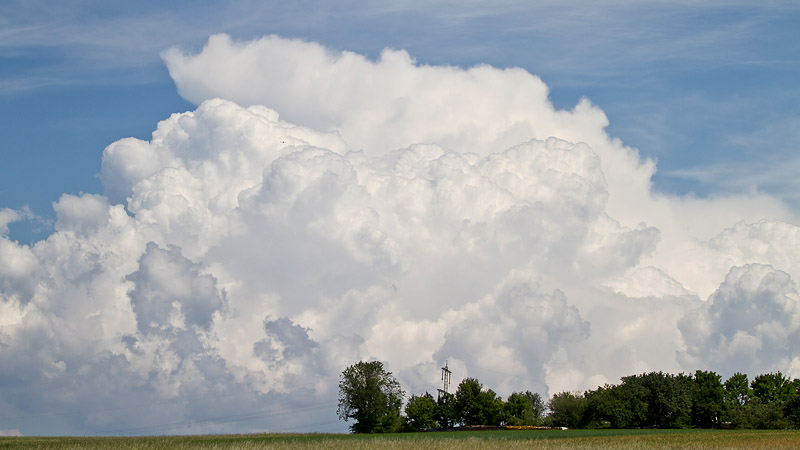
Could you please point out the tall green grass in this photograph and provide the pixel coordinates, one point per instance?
(593, 439)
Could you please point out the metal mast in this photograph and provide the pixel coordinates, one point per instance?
(445, 380)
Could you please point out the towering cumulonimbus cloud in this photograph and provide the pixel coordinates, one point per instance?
(393, 102)
(318, 208)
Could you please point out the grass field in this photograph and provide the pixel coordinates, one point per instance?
(540, 439)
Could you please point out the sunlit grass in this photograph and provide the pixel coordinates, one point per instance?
(593, 439)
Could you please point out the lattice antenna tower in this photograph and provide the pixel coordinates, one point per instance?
(445, 380)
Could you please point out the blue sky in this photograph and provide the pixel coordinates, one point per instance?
(710, 89)
(228, 269)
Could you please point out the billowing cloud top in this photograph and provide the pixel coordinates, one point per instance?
(319, 208)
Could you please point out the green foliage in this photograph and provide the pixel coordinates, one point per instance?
(371, 396)
(467, 404)
(771, 388)
(623, 406)
(445, 413)
(708, 403)
(792, 406)
(668, 398)
(761, 416)
(773, 404)
(490, 408)
(737, 395)
(648, 400)
(477, 406)
(420, 413)
(656, 399)
(737, 390)
(523, 409)
(538, 405)
(771, 401)
(567, 409)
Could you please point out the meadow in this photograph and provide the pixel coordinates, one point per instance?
(523, 439)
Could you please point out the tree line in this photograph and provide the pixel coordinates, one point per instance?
(657, 399)
(370, 395)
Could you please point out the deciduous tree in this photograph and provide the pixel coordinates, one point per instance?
(420, 413)
(468, 401)
(371, 396)
(567, 409)
(445, 413)
(709, 400)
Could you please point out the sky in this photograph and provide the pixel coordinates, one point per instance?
(208, 211)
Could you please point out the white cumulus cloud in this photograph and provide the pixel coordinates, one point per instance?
(750, 324)
(318, 208)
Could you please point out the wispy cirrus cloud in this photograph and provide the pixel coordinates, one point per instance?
(569, 39)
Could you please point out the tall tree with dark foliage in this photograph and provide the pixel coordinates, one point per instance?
(372, 397)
